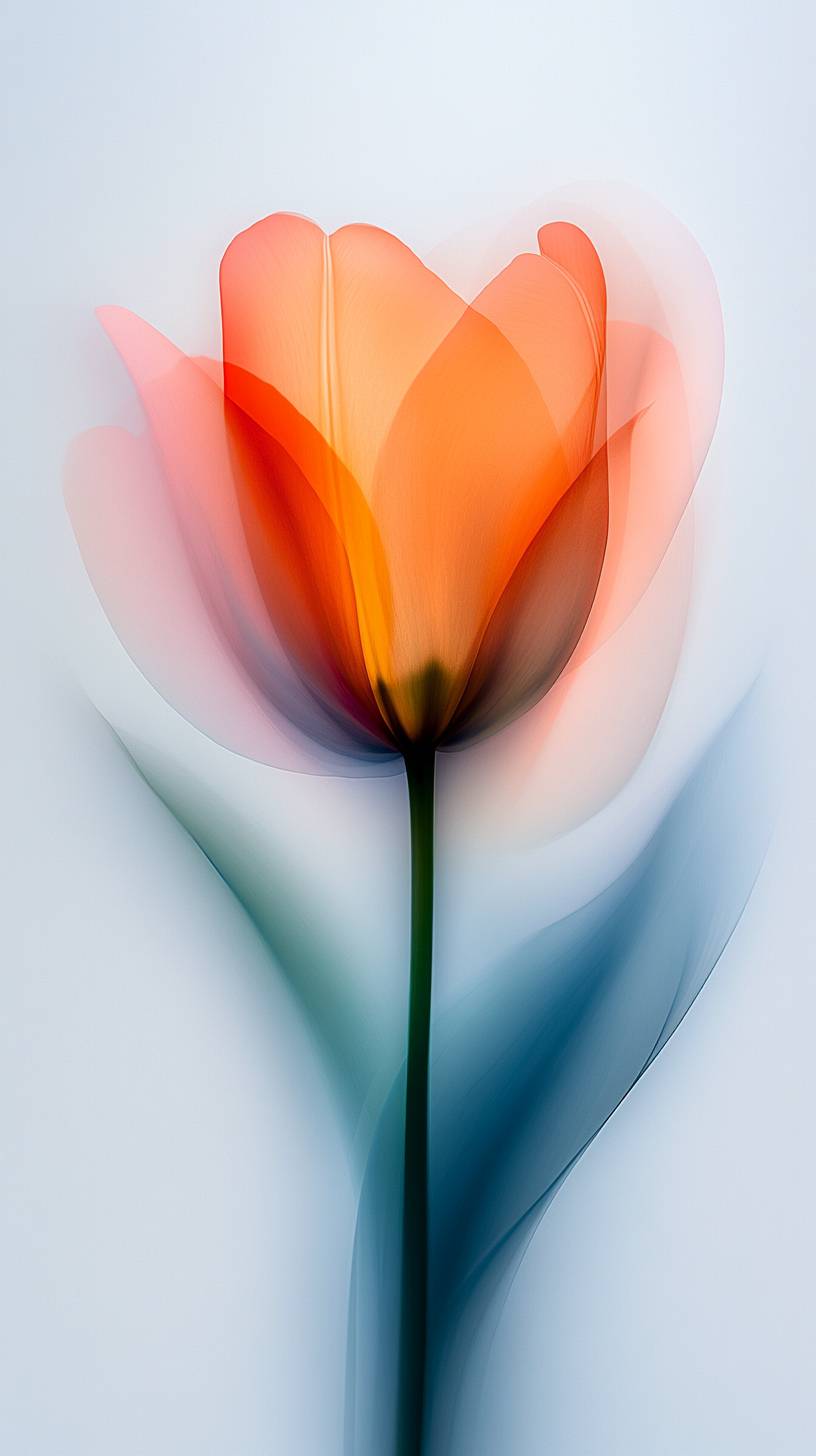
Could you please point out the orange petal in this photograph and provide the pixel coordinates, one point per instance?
(543, 610)
(302, 568)
(552, 309)
(573, 251)
(267, 557)
(329, 490)
(339, 325)
(470, 468)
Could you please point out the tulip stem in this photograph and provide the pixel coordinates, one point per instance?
(420, 770)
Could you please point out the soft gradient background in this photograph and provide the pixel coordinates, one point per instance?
(176, 1208)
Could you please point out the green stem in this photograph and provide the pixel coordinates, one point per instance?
(419, 767)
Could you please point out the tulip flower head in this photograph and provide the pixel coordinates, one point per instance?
(394, 507)
(450, 453)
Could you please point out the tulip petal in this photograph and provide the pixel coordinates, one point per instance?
(315, 501)
(133, 551)
(261, 546)
(664, 353)
(538, 620)
(552, 309)
(571, 249)
(651, 487)
(564, 770)
(471, 467)
(302, 570)
(340, 325)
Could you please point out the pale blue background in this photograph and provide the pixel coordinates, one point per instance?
(176, 1213)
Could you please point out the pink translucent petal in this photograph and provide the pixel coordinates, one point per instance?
(134, 553)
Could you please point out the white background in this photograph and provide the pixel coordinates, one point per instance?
(176, 1211)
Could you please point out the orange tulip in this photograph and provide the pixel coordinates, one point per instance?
(407, 493)
(398, 510)
(450, 453)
